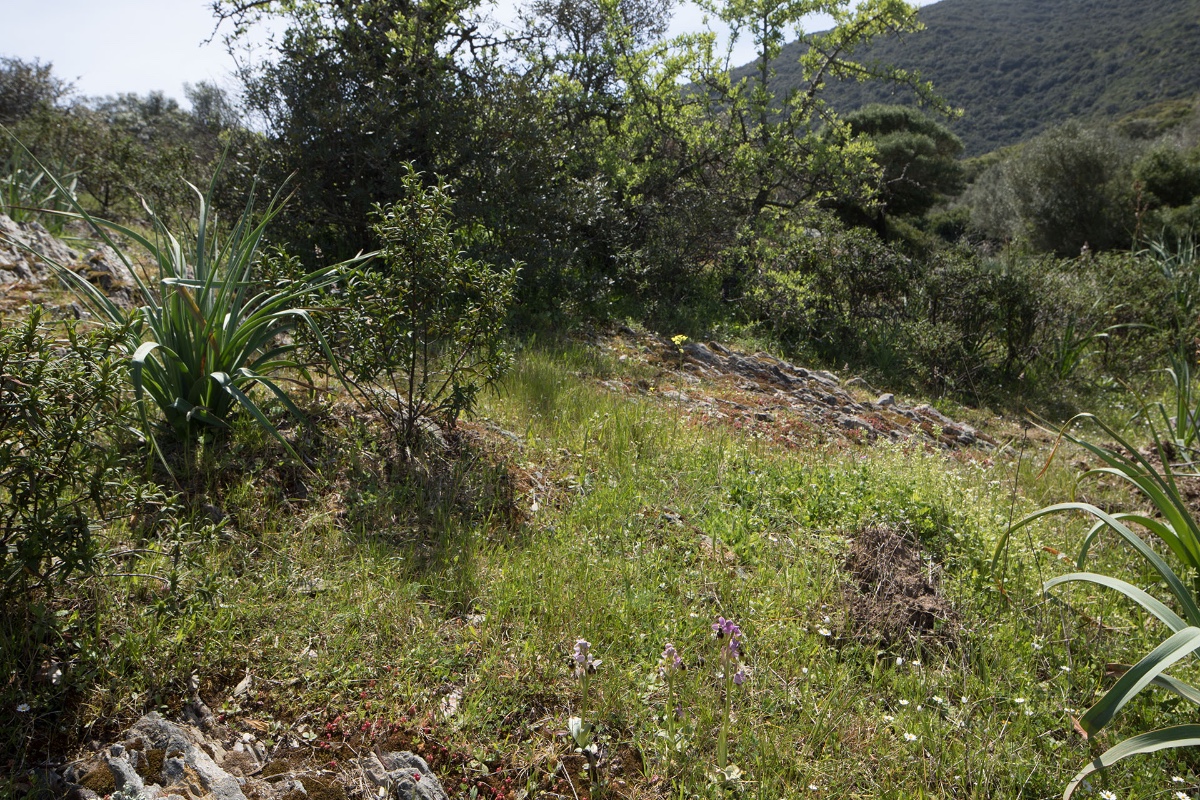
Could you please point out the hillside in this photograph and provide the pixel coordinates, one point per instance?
(1016, 67)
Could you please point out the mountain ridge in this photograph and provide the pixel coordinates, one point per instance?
(1018, 67)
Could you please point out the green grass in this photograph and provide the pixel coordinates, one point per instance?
(360, 594)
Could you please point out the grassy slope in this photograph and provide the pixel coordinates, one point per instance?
(1017, 67)
(411, 604)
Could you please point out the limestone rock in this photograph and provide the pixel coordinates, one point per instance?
(404, 776)
(28, 251)
(19, 241)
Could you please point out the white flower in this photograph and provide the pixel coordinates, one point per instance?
(910, 737)
(23, 707)
(938, 700)
(1182, 796)
(916, 663)
(804, 670)
(824, 631)
(812, 787)
(1176, 779)
(1019, 700)
(1065, 668)
(965, 700)
(1107, 795)
(903, 702)
(1036, 646)
(899, 661)
(888, 718)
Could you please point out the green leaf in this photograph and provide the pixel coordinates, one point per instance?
(1178, 646)
(1191, 612)
(1163, 739)
(1147, 601)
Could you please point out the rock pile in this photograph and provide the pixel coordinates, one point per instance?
(767, 386)
(26, 251)
(160, 760)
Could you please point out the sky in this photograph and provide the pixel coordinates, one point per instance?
(111, 46)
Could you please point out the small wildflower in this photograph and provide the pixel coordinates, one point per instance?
(1182, 796)
(938, 700)
(584, 663)
(910, 737)
(739, 677)
(899, 661)
(726, 628)
(1107, 795)
(1176, 779)
(1036, 646)
(1065, 668)
(812, 787)
(670, 661)
(903, 702)
(964, 700)
(915, 663)
(24, 707)
(1019, 700)
(824, 631)
(804, 670)
(888, 718)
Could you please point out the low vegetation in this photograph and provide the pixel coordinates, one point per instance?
(378, 448)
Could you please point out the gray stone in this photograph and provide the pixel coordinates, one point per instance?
(124, 773)
(783, 378)
(404, 776)
(105, 268)
(854, 423)
(702, 354)
(885, 400)
(158, 733)
(20, 241)
(827, 378)
(748, 366)
(931, 413)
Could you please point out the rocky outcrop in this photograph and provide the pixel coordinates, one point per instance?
(161, 760)
(27, 251)
(699, 376)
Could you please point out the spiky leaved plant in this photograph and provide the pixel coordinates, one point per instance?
(204, 332)
(1172, 523)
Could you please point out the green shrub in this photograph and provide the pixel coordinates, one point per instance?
(1067, 188)
(1168, 177)
(63, 416)
(952, 321)
(422, 329)
(816, 282)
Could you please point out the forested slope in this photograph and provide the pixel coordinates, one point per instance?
(1017, 67)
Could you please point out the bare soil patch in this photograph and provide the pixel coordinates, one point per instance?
(893, 595)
